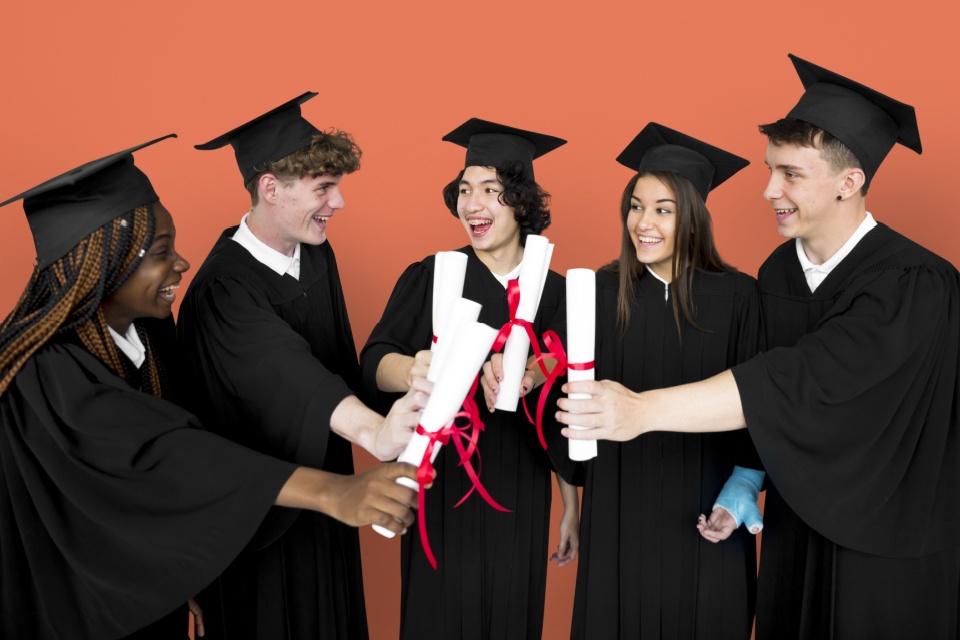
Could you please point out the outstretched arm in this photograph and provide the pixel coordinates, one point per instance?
(569, 525)
(616, 413)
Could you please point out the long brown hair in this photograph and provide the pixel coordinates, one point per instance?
(694, 249)
(66, 295)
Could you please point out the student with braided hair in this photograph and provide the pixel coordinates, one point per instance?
(115, 506)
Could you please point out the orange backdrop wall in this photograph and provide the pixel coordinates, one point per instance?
(81, 80)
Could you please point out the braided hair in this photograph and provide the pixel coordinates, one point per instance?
(65, 297)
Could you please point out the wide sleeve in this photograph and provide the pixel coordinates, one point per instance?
(748, 342)
(116, 507)
(857, 423)
(405, 327)
(256, 379)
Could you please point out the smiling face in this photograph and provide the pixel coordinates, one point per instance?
(303, 209)
(491, 225)
(802, 189)
(652, 225)
(150, 290)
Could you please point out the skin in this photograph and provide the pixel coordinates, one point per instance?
(150, 291)
(652, 223)
(294, 211)
(804, 189)
(288, 213)
(495, 237)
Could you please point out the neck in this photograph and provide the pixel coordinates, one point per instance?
(825, 242)
(501, 261)
(260, 225)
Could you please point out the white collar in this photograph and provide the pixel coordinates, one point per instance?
(817, 273)
(265, 254)
(507, 277)
(130, 344)
(666, 285)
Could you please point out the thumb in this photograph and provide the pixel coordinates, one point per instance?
(752, 519)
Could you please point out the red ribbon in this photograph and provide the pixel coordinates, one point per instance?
(434, 339)
(425, 471)
(556, 351)
(513, 302)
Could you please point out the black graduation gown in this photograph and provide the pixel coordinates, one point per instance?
(856, 421)
(269, 359)
(644, 570)
(490, 581)
(115, 506)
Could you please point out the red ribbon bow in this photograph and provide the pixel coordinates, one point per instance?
(425, 471)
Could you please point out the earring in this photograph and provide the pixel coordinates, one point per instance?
(839, 197)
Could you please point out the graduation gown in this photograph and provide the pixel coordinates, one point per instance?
(855, 416)
(115, 506)
(269, 358)
(490, 581)
(644, 571)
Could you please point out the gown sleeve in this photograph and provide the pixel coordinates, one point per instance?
(405, 328)
(249, 359)
(116, 507)
(857, 423)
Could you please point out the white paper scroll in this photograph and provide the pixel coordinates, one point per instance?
(449, 268)
(463, 311)
(470, 346)
(581, 332)
(533, 275)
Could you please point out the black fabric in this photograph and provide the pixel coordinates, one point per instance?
(269, 358)
(660, 148)
(490, 144)
(644, 570)
(64, 210)
(490, 580)
(115, 506)
(855, 416)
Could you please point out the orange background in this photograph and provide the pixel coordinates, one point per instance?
(82, 80)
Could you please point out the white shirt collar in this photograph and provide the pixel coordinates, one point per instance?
(817, 273)
(507, 277)
(666, 285)
(267, 255)
(130, 344)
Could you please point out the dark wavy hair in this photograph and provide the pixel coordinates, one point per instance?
(66, 296)
(333, 153)
(693, 249)
(528, 200)
(803, 134)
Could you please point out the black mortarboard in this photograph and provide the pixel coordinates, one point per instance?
(866, 121)
(660, 148)
(268, 138)
(66, 209)
(492, 145)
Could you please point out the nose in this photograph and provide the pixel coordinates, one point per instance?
(645, 221)
(472, 202)
(773, 190)
(335, 201)
(181, 265)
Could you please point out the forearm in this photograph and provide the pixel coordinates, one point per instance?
(569, 495)
(306, 489)
(706, 406)
(355, 422)
(393, 373)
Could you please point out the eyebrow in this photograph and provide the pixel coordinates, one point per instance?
(487, 181)
(785, 167)
(658, 201)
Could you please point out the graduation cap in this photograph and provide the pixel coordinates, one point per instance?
(492, 145)
(866, 121)
(660, 148)
(66, 209)
(267, 138)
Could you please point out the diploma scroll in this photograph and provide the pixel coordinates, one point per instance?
(533, 274)
(470, 346)
(581, 334)
(449, 269)
(463, 312)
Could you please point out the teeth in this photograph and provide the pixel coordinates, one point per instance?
(648, 240)
(171, 288)
(477, 223)
(784, 210)
(321, 218)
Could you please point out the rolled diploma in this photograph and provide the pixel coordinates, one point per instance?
(471, 344)
(463, 311)
(581, 332)
(448, 273)
(535, 264)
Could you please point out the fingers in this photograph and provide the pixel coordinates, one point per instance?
(527, 383)
(490, 384)
(197, 617)
(420, 366)
(592, 387)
